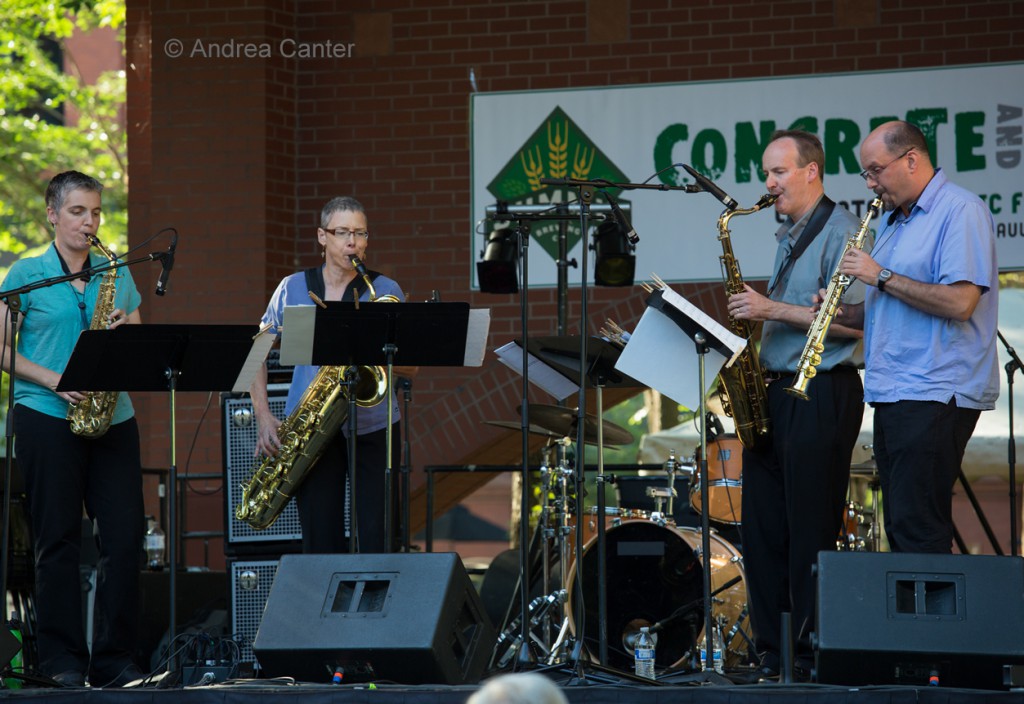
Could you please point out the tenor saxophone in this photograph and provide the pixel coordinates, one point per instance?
(745, 399)
(304, 434)
(90, 417)
(810, 358)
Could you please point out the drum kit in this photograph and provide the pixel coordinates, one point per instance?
(654, 567)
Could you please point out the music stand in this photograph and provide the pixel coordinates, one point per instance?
(166, 358)
(563, 354)
(343, 333)
(668, 326)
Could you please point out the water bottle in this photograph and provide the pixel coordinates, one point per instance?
(717, 651)
(643, 654)
(155, 544)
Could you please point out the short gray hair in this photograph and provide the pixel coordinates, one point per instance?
(519, 688)
(341, 204)
(64, 183)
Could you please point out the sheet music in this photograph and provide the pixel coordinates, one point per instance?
(297, 345)
(476, 336)
(540, 374)
(709, 324)
(260, 347)
(663, 356)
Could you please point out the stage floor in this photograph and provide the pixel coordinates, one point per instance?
(593, 689)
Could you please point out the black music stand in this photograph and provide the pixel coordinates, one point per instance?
(563, 354)
(677, 325)
(367, 334)
(162, 358)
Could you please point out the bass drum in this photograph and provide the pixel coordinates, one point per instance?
(655, 572)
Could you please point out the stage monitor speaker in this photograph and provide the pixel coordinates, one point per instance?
(903, 618)
(239, 435)
(413, 618)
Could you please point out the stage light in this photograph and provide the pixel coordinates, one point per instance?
(498, 270)
(614, 261)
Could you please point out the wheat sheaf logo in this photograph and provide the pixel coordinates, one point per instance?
(558, 148)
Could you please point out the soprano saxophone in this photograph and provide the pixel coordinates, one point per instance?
(91, 417)
(810, 358)
(745, 399)
(304, 434)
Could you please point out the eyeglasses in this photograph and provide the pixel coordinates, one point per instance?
(876, 171)
(341, 232)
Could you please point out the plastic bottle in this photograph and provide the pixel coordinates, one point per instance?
(155, 544)
(643, 654)
(18, 661)
(717, 651)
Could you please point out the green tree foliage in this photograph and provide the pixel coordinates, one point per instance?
(40, 85)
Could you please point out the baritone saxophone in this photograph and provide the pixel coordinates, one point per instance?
(745, 399)
(304, 434)
(810, 358)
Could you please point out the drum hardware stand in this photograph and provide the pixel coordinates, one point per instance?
(1011, 447)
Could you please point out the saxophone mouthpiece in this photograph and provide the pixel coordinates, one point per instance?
(358, 264)
(766, 200)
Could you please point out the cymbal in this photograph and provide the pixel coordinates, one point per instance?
(562, 421)
(517, 425)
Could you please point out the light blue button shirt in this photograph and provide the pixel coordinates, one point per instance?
(912, 355)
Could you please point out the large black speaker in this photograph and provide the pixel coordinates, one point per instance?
(413, 618)
(901, 618)
(239, 436)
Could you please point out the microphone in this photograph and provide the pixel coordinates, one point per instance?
(168, 263)
(620, 218)
(709, 186)
(716, 424)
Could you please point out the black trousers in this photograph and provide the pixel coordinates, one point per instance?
(919, 447)
(62, 473)
(321, 497)
(793, 498)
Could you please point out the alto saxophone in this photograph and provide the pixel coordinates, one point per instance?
(304, 434)
(90, 417)
(810, 358)
(745, 399)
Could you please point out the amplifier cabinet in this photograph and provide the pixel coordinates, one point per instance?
(239, 436)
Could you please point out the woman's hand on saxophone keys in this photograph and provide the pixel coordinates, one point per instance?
(267, 442)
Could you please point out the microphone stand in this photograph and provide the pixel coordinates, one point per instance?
(1011, 448)
(351, 377)
(13, 300)
(406, 385)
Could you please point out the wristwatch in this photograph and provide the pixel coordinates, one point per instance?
(883, 278)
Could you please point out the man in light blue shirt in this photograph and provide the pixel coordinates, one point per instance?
(929, 320)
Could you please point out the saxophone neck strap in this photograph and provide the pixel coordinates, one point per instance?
(822, 212)
(315, 283)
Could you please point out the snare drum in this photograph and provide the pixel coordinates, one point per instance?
(725, 481)
(654, 572)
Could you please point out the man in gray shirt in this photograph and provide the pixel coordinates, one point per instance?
(794, 491)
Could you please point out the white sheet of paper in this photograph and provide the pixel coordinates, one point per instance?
(734, 342)
(663, 357)
(540, 374)
(476, 336)
(260, 347)
(297, 345)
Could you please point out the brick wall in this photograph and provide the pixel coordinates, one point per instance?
(240, 153)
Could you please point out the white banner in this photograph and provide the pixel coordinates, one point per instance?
(973, 117)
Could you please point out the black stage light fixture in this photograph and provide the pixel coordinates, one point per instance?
(614, 261)
(498, 269)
